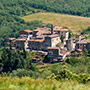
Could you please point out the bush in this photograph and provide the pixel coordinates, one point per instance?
(65, 74)
(23, 73)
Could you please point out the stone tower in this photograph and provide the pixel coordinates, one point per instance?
(69, 44)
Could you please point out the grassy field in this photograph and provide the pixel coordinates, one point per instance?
(26, 83)
(74, 23)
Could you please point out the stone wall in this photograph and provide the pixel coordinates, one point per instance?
(69, 44)
(55, 41)
(53, 53)
(34, 45)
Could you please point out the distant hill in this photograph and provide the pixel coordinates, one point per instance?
(73, 23)
(21, 7)
(74, 7)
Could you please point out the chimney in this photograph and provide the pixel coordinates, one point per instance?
(51, 29)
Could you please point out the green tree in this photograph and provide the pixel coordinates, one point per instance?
(11, 60)
(62, 39)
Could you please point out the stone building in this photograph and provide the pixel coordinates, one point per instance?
(36, 44)
(19, 42)
(51, 40)
(44, 38)
(41, 38)
(79, 38)
(41, 32)
(43, 44)
(10, 41)
(25, 32)
(81, 45)
(53, 52)
(69, 44)
(62, 32)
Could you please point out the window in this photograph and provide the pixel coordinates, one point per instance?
(50, 53)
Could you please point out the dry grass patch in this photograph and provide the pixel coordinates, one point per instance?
(74, 23)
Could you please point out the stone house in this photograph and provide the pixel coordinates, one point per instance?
(43, 44)
(36, 44)
(19, 42)
(53, 52)
(10, 41)
(62, 32)
(82, 45)
(25, 32)
(41, 32)
(79, 38)
(70, 44)
(51, 40)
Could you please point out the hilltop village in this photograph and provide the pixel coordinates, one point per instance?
(53, 42)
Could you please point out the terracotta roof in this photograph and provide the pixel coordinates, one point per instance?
(28, 31)
(64, 52)
(21, 39)
(12, 39)
(23, 35)
(53, 47)
(38, 29)
(37, 40)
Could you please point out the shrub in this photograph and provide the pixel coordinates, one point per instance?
(23, 73)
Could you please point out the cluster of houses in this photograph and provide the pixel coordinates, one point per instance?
(47, 40)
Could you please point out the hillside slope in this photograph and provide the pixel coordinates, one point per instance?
(74, 23)
(26, 83)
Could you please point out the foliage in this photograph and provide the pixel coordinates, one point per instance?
(62, 39)
(23, 73)
(79, 7)
(70, 34)
(60, 43)
(12, 60)
(85, 31)
(79, 65)
(66, 74)
(7, 83)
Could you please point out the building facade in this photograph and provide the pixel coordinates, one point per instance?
(53, 52)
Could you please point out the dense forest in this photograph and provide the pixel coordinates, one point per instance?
(74, 7)
(23, 7)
